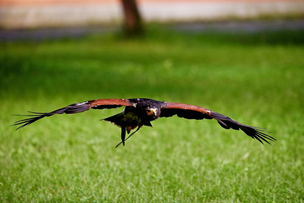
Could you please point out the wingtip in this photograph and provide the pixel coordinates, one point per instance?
(27, 121)
(258, 134)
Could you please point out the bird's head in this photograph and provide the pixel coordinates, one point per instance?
(152, 112)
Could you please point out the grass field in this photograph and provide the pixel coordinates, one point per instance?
(256, 79)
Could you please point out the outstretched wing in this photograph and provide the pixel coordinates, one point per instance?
(196, 112)
(75, 108)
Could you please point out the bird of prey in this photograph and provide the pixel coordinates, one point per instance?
(140, 112)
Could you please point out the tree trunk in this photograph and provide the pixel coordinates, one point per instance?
(132, 21)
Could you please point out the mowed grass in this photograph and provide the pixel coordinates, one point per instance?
(256, 79)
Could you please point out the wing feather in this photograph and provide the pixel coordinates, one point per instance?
(74, 108)
(184, 111)
(197, 112)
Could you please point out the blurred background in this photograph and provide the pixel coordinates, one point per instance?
(48, 13)
(68, 18)
(241, 58)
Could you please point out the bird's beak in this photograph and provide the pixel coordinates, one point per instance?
(152, 112)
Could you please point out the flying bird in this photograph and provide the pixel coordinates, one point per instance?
(140, 112)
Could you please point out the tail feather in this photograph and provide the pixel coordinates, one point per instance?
(116, 119)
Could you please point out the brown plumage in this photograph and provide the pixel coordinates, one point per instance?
(140, 112)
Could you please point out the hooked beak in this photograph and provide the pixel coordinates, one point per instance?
(152, 112)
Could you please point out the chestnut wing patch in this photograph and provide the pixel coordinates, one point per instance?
(184, 111)
(109, 103)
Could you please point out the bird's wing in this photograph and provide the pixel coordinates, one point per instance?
(184, 111)
(75, 108)
(197, 112)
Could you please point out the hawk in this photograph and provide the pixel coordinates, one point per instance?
(140, 112)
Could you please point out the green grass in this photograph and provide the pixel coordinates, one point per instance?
(256, 79)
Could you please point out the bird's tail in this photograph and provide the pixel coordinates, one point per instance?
(116, 119)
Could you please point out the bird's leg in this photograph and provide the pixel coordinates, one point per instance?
(123, 135)
(123, 141)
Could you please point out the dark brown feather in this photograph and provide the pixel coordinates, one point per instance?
(75, 108)
(184, 111)
(254, 132)
(197, 112)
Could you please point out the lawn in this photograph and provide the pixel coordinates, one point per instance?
(256, 79)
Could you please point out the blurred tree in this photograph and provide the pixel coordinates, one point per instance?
(132, 21)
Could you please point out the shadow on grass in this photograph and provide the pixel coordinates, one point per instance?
(264, 37)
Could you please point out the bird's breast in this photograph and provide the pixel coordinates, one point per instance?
(131, 117)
